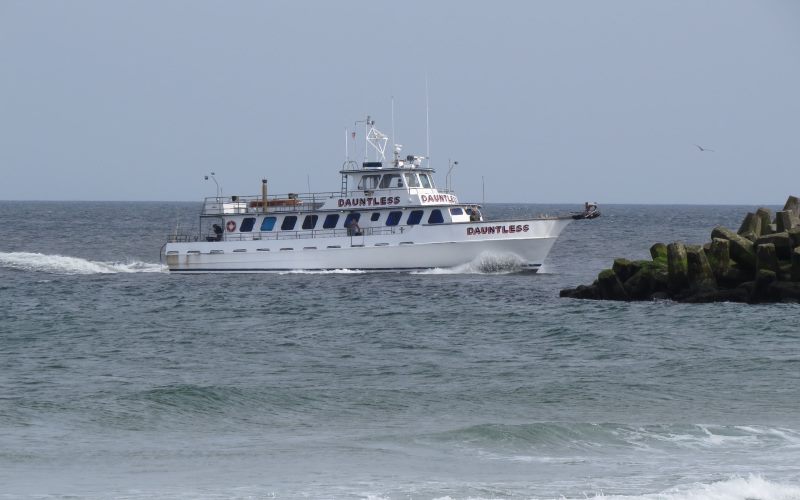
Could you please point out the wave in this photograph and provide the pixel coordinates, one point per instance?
(737, 488)
(60, 264)
(510, 442)
(485, 263)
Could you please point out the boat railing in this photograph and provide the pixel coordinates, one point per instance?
(291, 202)
(287, 235)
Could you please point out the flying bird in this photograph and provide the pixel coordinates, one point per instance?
(701, 148)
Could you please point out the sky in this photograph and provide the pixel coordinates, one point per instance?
(539, 101)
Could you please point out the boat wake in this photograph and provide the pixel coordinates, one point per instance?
(324, 271)
(60, 264)
(483, 264)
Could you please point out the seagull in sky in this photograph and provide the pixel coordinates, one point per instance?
(701, 148)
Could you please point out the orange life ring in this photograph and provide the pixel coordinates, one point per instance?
(231, 225)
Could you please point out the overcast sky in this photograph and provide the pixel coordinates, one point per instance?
(550, 101)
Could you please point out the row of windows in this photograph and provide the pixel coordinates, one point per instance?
(394, 180)
(331, 220)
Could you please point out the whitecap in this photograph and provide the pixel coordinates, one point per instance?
(61, 264)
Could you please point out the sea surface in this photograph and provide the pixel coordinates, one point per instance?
(119, 380)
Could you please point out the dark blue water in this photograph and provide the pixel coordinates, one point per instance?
(118, 380)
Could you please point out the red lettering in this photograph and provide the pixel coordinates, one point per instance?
(470, 231)
(525, 228)
(341, 202)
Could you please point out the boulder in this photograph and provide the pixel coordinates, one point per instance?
(765, 219)
(659, 252)
(782, 242)
(793, 205)
(719, 256)
(795, 273)
(624, 269)
(741, 249)
(751, 227)
(649, 279)
(581, 292)
(761, 291)
(766, 259)
(721, 295)
(784, 291)
(784, 221)
(794, 234)
(677, 267)
(700, 275)
(609, 286)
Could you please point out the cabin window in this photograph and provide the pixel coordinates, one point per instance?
(414, 217)
(330, 221)
(411, 180)
(247, 224)
(425, 181)
(369, 182)
(310, 222)
(394, 218)
(435, 217)
(268, 223)
(456, 211)
(351, 218)
(388, 181)
(288, 222)
(375, 216)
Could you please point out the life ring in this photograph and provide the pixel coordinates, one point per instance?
(231, 226)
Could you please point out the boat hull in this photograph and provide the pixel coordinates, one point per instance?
(520, 244)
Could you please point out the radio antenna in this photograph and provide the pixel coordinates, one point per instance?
(427, 124)
(394, 137)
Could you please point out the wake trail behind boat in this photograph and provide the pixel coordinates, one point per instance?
(60, 264)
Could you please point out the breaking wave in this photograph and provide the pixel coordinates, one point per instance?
(737, 488)
(60, 264)
(483, 264)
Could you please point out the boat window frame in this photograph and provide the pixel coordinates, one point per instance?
(362, 184)
(417, 217)
(456, 211)
(350, 218)
(330, 222)
(247, 225)
(314, 218)
(265, 227)
(437, 220)
(386, 181)
(394, 217)
(426, 181)
(375, 217)
(411, 179)
(285, 223)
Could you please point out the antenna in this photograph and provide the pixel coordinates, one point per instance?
(427, 124)
(449, 178)
(346, 145)
(483, 192)
(394, 137)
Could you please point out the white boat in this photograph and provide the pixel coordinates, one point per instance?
(388, 215)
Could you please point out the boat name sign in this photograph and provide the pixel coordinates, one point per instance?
(512, 228)
(369, 202)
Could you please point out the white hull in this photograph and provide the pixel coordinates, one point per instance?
(417, 247)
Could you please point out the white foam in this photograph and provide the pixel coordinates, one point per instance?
(738, 488)
(60, 264)
(326, 271)
(485, 263)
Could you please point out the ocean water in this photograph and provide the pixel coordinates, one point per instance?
(119, 380)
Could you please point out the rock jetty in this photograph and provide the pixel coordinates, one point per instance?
(758, 263)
